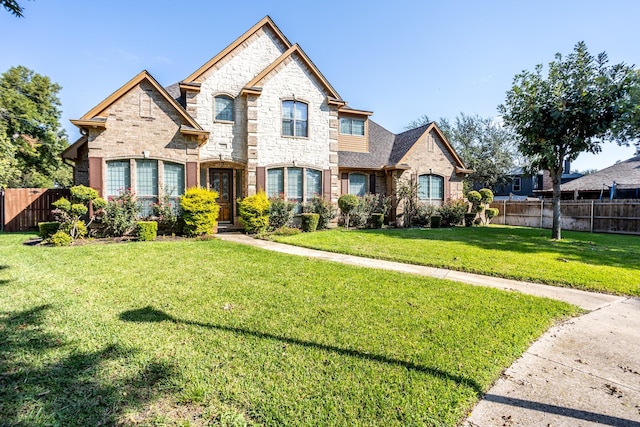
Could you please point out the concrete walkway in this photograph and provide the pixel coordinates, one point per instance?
(584, 372)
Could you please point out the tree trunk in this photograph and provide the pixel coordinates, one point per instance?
(555, 175)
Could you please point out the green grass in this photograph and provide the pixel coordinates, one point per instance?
(211, 333)
(596, 262)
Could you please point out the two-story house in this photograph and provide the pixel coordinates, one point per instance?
(257, 116)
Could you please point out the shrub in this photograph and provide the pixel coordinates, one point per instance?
(254, 213)
(47, 229)
(287, 231)
(168, 215)
(146, 230)
(61, 238)
(452, 212)
(309, 222)
(347, 203)
(423, 214)
(377, 219)
(474, 196)
(436, 221)
(280, 213)
(71, 214)
(486, 195)
(120, 214)
(491, 213)
(323, 208)
(199, 211)
(469, 219)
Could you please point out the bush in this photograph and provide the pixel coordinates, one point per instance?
(486, 195)
(146, 230)
(61, 238)
(120, 214)
(324, 209)
(436, 221)
(254, 213)
(347, 203)
(474, 196)
(423, 214)
(469, 219)
(491, 213)
(280, 213)
(452, 212)
(199, 211)
(309, 222)
(377, 219)
(287, 231)
(47, 229)
(168, 215)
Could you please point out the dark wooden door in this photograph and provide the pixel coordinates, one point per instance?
(221, 181)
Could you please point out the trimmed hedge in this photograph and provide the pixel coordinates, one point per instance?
(146, 230)
(310, 222)
(436, 221)
(254, 213)
(469, 218)
(199, 211)
(377, 219)
(48, 229)
(61, 239)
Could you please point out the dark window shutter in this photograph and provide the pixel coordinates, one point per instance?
(261, 179)
(372, 183)
(326, 184)
(192, 174)
(344, 184)
(95, 174)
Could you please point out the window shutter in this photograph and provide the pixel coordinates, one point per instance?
(344, 184)
(192, 174)
(372, 183)
(447, 189)
(95, 174)
(326, 184)
(260, 179)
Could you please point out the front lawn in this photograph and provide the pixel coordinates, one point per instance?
(596, 262)
(212, 333)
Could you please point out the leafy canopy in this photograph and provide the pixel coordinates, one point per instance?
(31, 138)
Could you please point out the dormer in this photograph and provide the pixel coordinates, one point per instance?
(353, 130)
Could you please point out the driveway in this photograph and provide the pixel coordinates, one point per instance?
(583, 372)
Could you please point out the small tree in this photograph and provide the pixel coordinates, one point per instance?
(407, 194)
(347, 203)
(69, 213)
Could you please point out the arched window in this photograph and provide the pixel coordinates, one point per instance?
(357, 184)
(294, 118)
(223, 108)
(431, 187)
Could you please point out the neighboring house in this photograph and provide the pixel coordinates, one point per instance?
(620, 181)
(520, 184)
(257, 116)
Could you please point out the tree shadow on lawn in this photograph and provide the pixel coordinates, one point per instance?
(150, 314)
(581, 247)
(68, 390)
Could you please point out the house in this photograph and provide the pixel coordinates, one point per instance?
(257, 116)
(619, 181)
(522, 184)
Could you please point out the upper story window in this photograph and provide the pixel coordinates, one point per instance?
(223, 108)
(351, 126)
(294, 118)
(430, 187)
(517, 184)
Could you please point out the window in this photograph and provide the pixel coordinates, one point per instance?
(275, 183)
(314, 184)
(517, 184)
(430, 187)
(174, 183)
(358, 184)
(352, 126)
(146, 185)
(223, 108)
(295, 187)
(118, 177)
(294, 118)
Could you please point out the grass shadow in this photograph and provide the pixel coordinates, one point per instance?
(150, 314)
(37, 388)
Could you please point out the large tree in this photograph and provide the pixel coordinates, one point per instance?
(483, 144)
(580, 103)
(13, 7)
(31, 138)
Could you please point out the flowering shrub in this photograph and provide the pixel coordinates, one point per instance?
(120, 214)
(280, 213)
(325, 210)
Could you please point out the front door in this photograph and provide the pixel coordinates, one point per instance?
(222, 182)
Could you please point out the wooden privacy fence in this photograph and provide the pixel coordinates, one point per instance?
(600, 216)
(21, 209)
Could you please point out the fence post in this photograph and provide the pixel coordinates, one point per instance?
(541, 213)
(591, 224)
(504, 212)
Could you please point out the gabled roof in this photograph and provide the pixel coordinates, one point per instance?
(626, 174)
(96, 116)
(405, 141)
(71, 152)
(255, 85)
(266, 21)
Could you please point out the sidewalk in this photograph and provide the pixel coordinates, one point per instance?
(584, 372)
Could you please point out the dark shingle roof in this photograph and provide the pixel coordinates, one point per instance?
(380, 146)
(174, 91)
(626, 174)
(404, 141)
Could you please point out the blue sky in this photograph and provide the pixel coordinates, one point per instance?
(400, 59)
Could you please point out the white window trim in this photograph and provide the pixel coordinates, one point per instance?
(294, 100)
